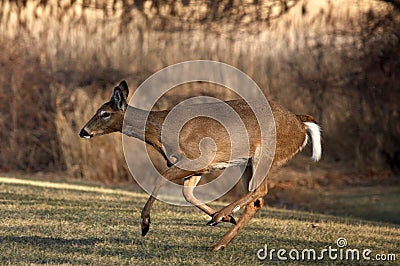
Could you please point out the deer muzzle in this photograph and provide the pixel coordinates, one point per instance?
(85, 134)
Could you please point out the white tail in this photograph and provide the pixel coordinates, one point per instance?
(315, 132)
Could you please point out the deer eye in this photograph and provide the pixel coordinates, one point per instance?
(104, 114)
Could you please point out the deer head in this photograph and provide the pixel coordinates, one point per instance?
(109, 117)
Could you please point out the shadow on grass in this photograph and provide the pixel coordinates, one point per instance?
(104, 247)
(57, 250)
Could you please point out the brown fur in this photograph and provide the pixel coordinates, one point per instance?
(290, 132)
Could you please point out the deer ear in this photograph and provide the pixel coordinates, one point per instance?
(119, 98)
(124, 88)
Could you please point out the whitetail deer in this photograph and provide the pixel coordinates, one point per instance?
(291, 137)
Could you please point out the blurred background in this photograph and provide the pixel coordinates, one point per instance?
(338, 61)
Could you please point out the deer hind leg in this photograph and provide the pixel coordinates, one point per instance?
(170, 174)
(246, 177)
(188, 186)
(237, 205)
(248, 213)
(250, 197)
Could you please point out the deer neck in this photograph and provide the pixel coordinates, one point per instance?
(138, 124)
(134, 124)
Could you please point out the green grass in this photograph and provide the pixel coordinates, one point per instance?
(376, 203)
(68, 225)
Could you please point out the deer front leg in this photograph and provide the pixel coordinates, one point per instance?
(188, 186)
(170, 174)
(145, 215)
(248, 213)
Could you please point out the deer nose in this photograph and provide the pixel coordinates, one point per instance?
(84, 134)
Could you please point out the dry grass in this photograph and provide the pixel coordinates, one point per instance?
(67, 224)
(61, 59)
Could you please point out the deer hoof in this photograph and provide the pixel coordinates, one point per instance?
(212, 223)
(229, 219)
(218, 247)
(232, 220)
(216, 220)
(145, 223)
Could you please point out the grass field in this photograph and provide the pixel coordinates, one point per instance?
(57, 223)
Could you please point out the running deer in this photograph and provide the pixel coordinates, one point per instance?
(291, 137)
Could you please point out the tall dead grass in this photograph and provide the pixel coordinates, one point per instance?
(60, 60)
